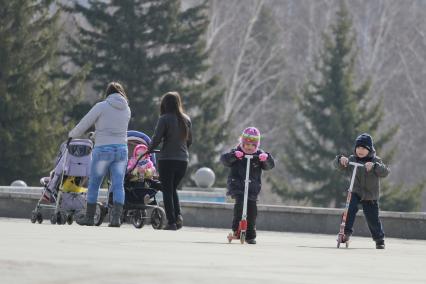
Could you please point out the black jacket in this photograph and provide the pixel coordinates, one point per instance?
(236, 178)
(167, 131)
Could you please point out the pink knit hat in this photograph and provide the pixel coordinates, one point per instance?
(251, 135)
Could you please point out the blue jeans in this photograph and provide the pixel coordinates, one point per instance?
(371, 213)
(112, 159)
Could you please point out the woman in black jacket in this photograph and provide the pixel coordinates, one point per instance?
(174, 131)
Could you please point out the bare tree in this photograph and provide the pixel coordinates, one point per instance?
(261, 73)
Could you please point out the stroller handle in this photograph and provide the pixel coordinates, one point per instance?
(69, 141)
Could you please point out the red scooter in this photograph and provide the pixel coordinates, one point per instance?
(341, 235)
(242, 227)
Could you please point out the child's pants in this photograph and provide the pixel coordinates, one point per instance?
(371, 213)
(251, 216)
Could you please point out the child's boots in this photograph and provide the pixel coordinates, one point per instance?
(346, 238)
(380, 244)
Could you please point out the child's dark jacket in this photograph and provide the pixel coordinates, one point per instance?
(236, 178)
(366, 184)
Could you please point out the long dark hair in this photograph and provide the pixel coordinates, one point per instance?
(171, 103)
(116, 88)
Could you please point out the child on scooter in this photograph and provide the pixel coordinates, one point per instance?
(249, 145)
(366, 187)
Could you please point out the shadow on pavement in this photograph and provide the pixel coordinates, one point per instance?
(331, 247)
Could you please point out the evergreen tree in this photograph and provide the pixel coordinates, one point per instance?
(33, 92)
(333, 113)
(151, 46)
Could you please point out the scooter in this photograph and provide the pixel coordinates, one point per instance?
(242, 227)
(341, 235)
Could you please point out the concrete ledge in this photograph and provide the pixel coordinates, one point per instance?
(304, 219)
(20, 203)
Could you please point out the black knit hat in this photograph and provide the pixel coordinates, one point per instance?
(365, 140)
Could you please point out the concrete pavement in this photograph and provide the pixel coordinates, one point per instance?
(45, 253)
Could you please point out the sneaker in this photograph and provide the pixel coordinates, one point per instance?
(380, 244)
(251, 241)
(179, 221)
(170, 227)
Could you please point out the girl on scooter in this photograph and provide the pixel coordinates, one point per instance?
(249, 145)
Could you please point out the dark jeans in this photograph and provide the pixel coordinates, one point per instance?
(371, 213)
(251, 216)
(171, 173)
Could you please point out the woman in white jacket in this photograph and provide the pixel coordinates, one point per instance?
(111, 119)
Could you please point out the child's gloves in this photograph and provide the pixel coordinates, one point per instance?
(344, 161)
(263, 157)
(239, 154)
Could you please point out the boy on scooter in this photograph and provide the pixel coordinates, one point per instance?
(249, 145)
(366, 188)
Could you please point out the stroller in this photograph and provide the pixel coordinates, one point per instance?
(140, 195)
(64, 190)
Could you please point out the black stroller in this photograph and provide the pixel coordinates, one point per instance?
(140, 204)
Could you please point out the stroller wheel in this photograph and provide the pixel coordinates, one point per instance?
(39, 218)
(61, 218)
(158, 218)
(34, 217)
(100, 213)
(70, 219)
(123, 217)
(53, 219)
(138, 217)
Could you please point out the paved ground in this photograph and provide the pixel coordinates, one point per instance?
(33, 253)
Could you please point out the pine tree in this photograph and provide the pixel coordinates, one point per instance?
(333, 113)
(33, 98)
(151, 46)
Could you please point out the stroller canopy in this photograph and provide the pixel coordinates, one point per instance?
(134, 135)
(137, 137)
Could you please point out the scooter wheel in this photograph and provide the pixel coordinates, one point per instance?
(339, 240)
(230, 237)
(242, 237)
